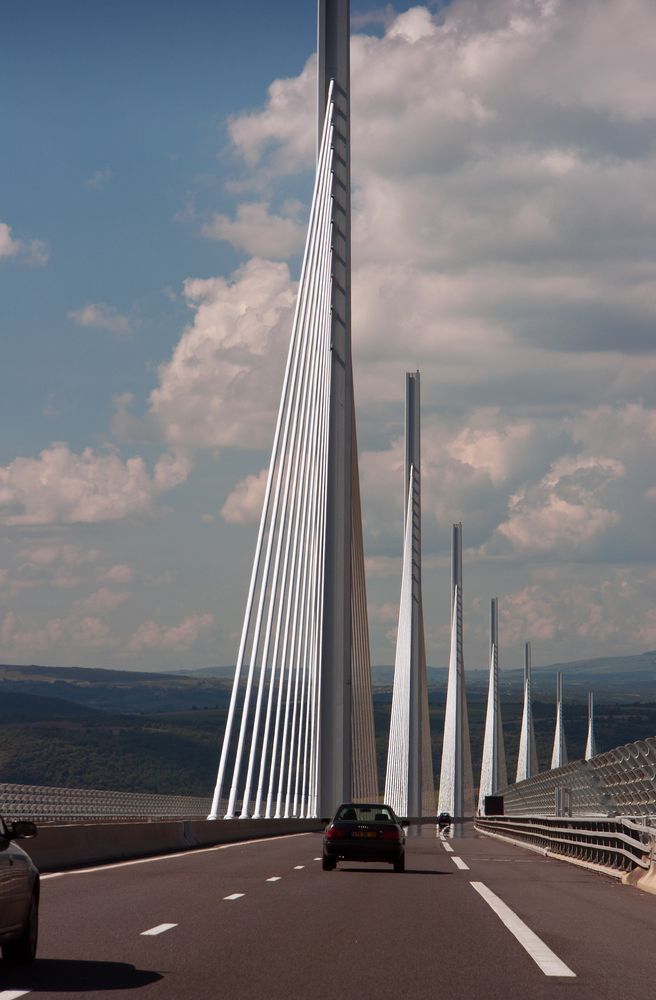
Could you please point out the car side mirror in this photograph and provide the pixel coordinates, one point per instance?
(22, 830)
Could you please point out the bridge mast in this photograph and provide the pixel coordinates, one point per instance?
(527, 758)
(559, 753)
(409, 779)
(493, 766)
(335, 738)
(456, 795)
(590, 743)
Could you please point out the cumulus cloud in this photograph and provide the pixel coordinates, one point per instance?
(104, 600)
(481, 252)
(61, 487)
(564, 510)
(47, 554)
(222, 385)
(120, 573)
(99, 179)
(30, 251)
(88, 632)
(259, 232)
(101, 316)
(244, 503)
(150, 635)
(9, 247)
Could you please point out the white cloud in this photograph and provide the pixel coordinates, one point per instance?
(31, 251)
(61, 487)
(102, 316)
(150, 635)
(99, 179)
(88, 632)
(564, 510)
(221, 387)
(244, 503)
(120, 573)
(259, 232)
(49, 554)
(104, 600)
(9, 247)
(64, 582)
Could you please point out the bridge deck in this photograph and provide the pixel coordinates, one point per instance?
(361, 931)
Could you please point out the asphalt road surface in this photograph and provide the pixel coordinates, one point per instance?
(261, 920)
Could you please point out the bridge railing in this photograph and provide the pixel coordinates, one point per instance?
(622, 843)
(620, 782)
(43, 804)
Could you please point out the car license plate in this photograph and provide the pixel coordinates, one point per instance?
(363, 833)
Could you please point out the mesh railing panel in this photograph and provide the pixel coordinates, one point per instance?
(620, 782)
(42, 804)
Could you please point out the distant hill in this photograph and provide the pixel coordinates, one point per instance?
(629, 678)
(116, 690)
(120, 729)
(616, 678)
(18, 707)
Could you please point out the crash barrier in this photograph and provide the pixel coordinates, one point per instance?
(82, 844)
(622, 843)
(620, 782)
(43, 804)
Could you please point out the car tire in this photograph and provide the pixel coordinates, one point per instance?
(22, 951)
(399, 865)
(328, 864)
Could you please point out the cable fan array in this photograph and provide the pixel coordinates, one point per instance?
(271, 742)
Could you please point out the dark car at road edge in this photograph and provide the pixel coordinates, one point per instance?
(19, 895)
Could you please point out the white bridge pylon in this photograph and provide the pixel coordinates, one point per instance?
(527, 757)
(409, 779)
(456, 796)
(493, 764)
(299, 734)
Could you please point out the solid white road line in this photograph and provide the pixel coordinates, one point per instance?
(297, 868)
(459, 863)
(158, 930)
(316, 859)
(274, 878)
(235, 895)
(13, 994)
(447, 847)
(167, 857)
(541, 954)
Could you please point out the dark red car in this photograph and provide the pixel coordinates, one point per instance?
(364, 832)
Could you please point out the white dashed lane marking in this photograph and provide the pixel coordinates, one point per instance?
(13, 994)
(297, 868)
(316, 859)
(274, 878)
(447, 847)
(235, 895)
(158, 930)
(459, 863)
(541, 954)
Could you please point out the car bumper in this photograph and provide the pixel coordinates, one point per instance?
(363, 850)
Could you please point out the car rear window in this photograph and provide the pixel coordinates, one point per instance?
(365, 814)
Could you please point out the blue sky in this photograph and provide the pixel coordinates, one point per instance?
(153, 191)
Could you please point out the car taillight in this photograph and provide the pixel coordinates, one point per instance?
(336, 832)
(391, 833)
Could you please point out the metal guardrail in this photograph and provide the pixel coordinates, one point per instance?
(621, 782)
(45, 804)
(623, 842)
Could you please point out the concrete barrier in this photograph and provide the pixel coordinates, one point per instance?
(76, 845)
